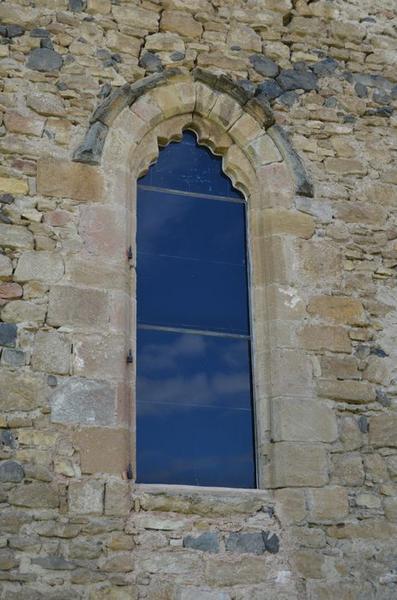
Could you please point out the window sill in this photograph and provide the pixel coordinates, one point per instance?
(201, 500)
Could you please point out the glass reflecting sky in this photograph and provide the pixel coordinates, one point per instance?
(194, 399)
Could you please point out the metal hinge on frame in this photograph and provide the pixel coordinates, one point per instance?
(129, 471)
(130, 358)
(129, 253)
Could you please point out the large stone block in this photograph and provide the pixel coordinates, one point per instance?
(299, 465)
(51, 352)
(291, 373)
(180, 22)
(23, 311)
(247, 570)
(103, 230)
(303, 420)
(328, 504)
(383, 430)
(79, 307)
(102, 450)
(195, 593)
(8, 334)
(99, 356)
(11, 185)
(21, 391)
(325, 337)
(287, 222)
(15, 236)
(40, 266)
(118, 498)
(86, 497)
(356, 392)
(291, 505)
(34, 495)
(64, 179)
(339, 309)
(135, 16)
(347, 469)
(85, 402)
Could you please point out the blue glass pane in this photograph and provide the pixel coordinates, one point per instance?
(194, 410)
(182, 292)
(174, 225)
(189, 167)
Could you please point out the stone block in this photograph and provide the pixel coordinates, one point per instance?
(383, 430)
(85, 402)
(8, 560)
(320, 259)
(328, 504)
(247, 570)
(46, 104)
(345, 166)
(102, 450)
(283, 302)
(303, 420)
(103, 230)
(135, 16)
(97, 356)
(40, 266)
(287, 222)
(225, 111)
(263, 151)
(175, 563)
(5, 266)
(347, 469)
(339, 309)
(367, 529)
(367, 500)
(101, 7)
(325, 337)
(291, 373)
(299, 465)
(11, 185)
(10, 290)
(21, 311)
(290, 505)
(26, 122)
(11, 472)
(64, 179)
(89, 272)
(79, 307)
(200, 593)
(206, 542)
(118, 498)
(309, 564)
(183, 23)
(119, 42)
(34, 495)
(390, 508)
(175, 99)
(21, 391)
(8, 334)
(15, 236)
(86, 497)
(345, 367)
(51, 352)
(355, 392)
(245, 130)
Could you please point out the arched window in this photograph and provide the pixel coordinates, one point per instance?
(194, 385)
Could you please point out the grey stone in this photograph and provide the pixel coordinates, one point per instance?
(43, 59)
(83, 401)
(11, 472)
(177, 56)
(90, 151)
(260, 109)
(317, 208)
(204, 76)
(46, 43)
(363, 424)
(270, 88)
(77, 5)
(304, 186)
(361, 90)
(381, 98)
(383, 398)
(151, 62)
(8, 334)
(15, 31)
(264, 65)
(325, 67)
(227, 85)
(252, 543)
(296, 79)
(51, 352)
(207, 542)
(39, 32)
(330, 102)
(7, 438)
(247, 85)
(55, 563)
(393, 92)
(6, 198)
(288, 98)
(13, 358)
(5, 219)
(272, 542)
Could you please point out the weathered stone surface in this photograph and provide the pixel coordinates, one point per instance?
(8, 334)
(324, 337)
(82, 307)
(69, 180)
(51, 352)
(40, 266)
(10, 291)
(86, 497)
(289, 222)
(8, 560)
(20, 391)
(383, 430)
(102, 450)
(356, 392)
(44, 59)
(264, 66)
(247, 570)
(294, 79)
(11, 185)
(195, 593)
(206, 542)
(11, 472)
(304, 185)
(181, 23)
(90, 151)
(46, 104)
(303, 420)
(299, 464)
(20, 311)
(84, 402)
(339, 309)
(347, 469)
(291, 505)
(118, 498)
(328, 504)
(151, 62)
(34, 495)
(25, 122)
(54, 563)
(136, 16)
(345, 166)
(15, 236)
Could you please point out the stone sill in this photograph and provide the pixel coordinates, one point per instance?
(201, 500)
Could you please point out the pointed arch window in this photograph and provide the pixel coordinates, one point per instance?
(195, 423)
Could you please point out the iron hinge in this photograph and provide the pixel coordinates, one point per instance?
(130, 357)
(129, 253)
(129, 471)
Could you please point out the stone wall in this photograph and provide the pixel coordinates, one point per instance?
(299, 98)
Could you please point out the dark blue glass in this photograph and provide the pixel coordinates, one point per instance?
(185, 166)
(179, 292)
(194, 415)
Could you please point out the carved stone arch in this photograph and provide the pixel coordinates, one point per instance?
(124, 140)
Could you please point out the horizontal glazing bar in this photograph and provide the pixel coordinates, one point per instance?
(150, 188)
(193, 331)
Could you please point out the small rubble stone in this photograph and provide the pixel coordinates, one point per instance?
(11, 472)
(293, 79)
(263, 65)
(252, 543)
(151, 62)
(44, 59)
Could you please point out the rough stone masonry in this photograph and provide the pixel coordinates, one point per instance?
(299, 97)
